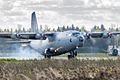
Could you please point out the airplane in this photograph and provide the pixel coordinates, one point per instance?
(54, 43)
(48, 43)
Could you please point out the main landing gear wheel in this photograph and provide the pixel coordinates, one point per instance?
(115, 52)
(73, 54)
(70, 56)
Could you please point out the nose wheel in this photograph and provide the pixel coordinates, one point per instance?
(72, 54)
(47, 53)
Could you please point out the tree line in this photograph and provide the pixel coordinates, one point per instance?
(95, 28)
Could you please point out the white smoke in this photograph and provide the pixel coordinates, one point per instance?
(21, 53)
(28, 54)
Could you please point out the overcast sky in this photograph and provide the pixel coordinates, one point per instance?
(60, 12)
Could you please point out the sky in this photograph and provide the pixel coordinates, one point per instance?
(60, 12)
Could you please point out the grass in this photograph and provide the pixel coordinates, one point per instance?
(59, 69)
(53, 69)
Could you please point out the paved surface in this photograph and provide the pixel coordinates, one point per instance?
(90, 58)
(27, 56)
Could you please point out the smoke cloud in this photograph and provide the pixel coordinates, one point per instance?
(20, 53)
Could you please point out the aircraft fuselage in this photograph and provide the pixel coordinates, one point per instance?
(61, 42)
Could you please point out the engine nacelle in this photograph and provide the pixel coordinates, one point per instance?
(87, 35)
(49, 51)
(14, 36)
(38, 36)
(105, 35)
(101, 35)
(19, 36)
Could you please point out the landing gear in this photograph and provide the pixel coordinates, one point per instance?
(72, 54)
(47, 53)
(75, 53)
(115, 52)
(47, 57)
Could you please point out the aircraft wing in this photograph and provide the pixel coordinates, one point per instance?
(115, 33)
(96, 34)
(36, 36)
(5, 35)
(102, 34)
(28, 35)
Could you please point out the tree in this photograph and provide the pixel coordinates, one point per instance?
(117, 29)
(73, 28)
(77, 28)
(11, 30)
(58, 29)
(16, 30)
(48, 29)
(29, 30)
(7, 30)
(98, 29)
(67, 28)
(111, 29)
(63, 28)
(23, 29)
(94, 28)
(53, 30)
(83, 29)
(102, 28)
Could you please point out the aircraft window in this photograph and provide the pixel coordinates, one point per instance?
(75, 34)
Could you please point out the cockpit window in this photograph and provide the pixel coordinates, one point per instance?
(75, 34)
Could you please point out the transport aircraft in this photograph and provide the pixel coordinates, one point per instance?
(54, 43)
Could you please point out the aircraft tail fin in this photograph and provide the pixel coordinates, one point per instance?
(34, 24)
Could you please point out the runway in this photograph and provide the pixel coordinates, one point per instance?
(24, 55)
(90, 58)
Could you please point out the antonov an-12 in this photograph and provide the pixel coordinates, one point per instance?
(54, 43)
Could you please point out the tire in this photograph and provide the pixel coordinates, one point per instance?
(115, 52)
(75, 53)
(47, 57)
(70, 56)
